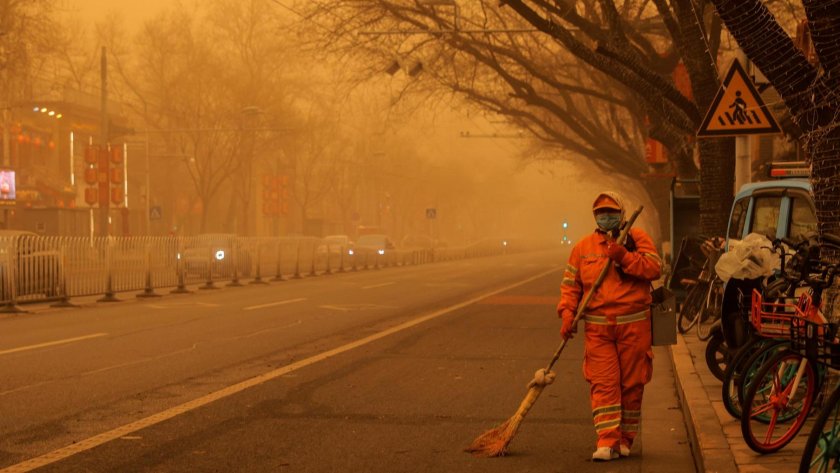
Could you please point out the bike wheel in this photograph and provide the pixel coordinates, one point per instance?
(729, 393)
(717, 355)
(749, 371)
(822, 450)
(709, 317)
(691, 307)
(778, 401)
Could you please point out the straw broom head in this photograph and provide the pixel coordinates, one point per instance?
(494, 442)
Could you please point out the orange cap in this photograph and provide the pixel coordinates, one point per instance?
(605, 202)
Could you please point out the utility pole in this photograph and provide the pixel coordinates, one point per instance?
(743, 155)
(104, 201)
(7, 125)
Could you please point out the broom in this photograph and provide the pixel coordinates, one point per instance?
(494, 442)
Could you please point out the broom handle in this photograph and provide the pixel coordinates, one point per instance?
(582, 306)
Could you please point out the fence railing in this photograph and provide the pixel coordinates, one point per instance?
(37, 268)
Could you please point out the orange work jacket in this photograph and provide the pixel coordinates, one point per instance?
(619, 294)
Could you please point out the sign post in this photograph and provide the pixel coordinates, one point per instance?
(737, 109)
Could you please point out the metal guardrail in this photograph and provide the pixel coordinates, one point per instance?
(38, 269)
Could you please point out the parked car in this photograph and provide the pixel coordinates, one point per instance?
(418, 242)
(220, 251)
(782, 208)
(334, 244)
(377, 244)
(37, 268)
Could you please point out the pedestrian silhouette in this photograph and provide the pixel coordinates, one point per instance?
(740, 106)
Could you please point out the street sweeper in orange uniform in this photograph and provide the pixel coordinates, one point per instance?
(618, 360)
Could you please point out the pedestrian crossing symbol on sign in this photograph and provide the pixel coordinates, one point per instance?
(738, 108)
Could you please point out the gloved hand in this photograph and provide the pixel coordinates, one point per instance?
(616, 252)
(569, 329)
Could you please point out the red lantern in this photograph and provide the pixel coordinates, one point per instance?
(91, 196)
(116, 154)
(117, 195)
(116, 175)
(90, 176)
(92, 154)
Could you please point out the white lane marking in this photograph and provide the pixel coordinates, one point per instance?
(267, 330)
(50, 344)
(122, 431)
(335, 307)
(349, 307)
(447, 284)
(24, 388)
(274, 304)
(379, 285)
(152, 359)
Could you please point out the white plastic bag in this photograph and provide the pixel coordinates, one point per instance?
(749, 258)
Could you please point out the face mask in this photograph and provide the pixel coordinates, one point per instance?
(608, 221)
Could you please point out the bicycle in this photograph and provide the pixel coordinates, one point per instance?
(823, 445)
(783, 391)
(702, 304)
(768, 335)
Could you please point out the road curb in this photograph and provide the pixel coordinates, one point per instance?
(711, 450)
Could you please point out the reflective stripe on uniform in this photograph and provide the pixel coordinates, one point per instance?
(619, 320)
(596, 319)
(567, 282)
(607, 425)
(606, 409)
(571, 269)
(631, 414)
(630, 427)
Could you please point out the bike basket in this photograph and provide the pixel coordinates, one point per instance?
(773, 319)
(816, 341)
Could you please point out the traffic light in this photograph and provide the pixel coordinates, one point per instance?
(270, 195)
(275, 195)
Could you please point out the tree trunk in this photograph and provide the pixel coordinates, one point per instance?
(717, 182)
(824, 151)
(659, 193)
(204, 213)
(810, 97)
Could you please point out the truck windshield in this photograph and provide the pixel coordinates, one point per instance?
(766, 216)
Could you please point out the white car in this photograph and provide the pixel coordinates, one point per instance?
(377, 244)
(334, 244)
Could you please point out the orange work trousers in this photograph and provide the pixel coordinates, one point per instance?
(617, 364)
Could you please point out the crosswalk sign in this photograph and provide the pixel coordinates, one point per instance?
(737, 108)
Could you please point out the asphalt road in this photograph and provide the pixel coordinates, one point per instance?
(378, 371)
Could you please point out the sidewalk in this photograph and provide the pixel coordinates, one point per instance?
(716, 436)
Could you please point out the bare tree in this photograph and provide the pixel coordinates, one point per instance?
(810, 92)
(582, 76)
(27, 44)
(176, 82)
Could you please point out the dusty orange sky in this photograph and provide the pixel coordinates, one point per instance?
(134, 12)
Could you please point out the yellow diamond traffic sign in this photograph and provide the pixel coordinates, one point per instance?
(737, 108)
